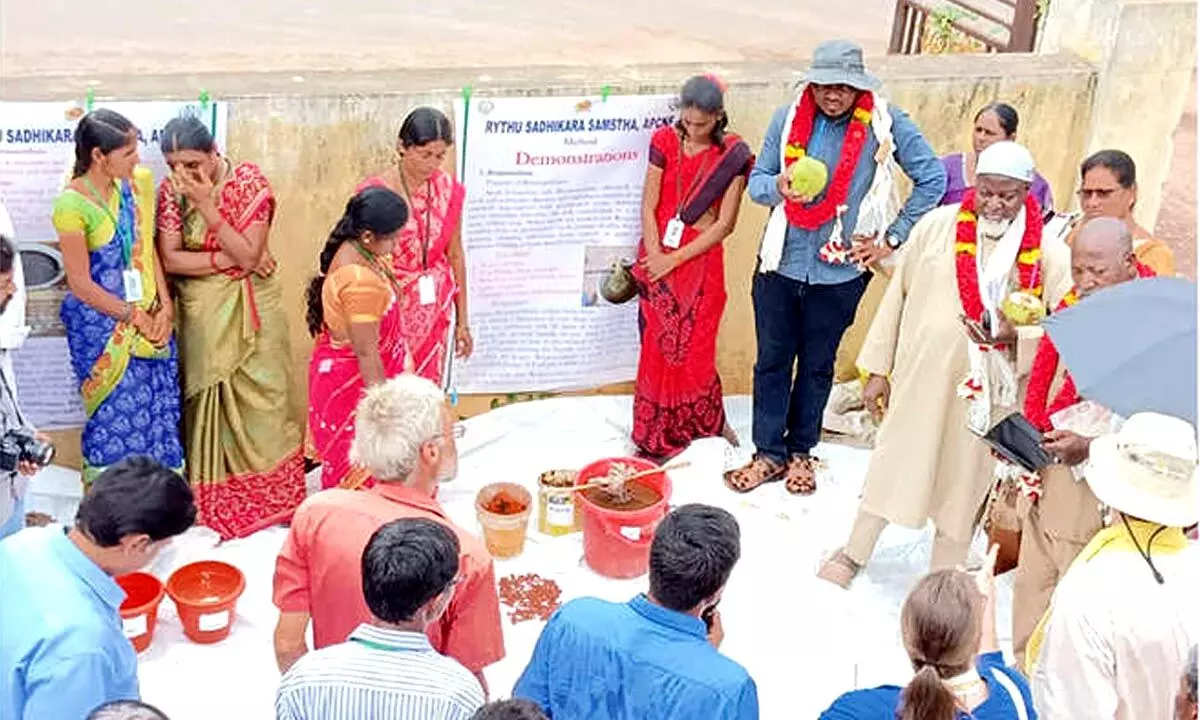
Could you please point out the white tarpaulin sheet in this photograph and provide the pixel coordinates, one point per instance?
(804, 641)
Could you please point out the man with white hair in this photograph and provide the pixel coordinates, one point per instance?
(1123, 618)
(405, 436)
(941, 355)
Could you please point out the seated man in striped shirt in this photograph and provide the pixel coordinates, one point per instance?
(388, 668)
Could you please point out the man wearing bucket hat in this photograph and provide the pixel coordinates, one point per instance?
(942, 359)
(406, 437)
(827, 171)
(62, 649)
(1124, 617)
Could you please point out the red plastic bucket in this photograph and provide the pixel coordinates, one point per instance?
(139, 610)
(206, 594)
(616, 543)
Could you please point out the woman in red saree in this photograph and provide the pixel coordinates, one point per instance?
(353, 314)
(693, 189)
(428, 257)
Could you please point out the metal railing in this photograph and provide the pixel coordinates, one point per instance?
(994, 26)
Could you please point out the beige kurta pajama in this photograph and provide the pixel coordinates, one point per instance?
(927, 464)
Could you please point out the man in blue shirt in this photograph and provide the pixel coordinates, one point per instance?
(63, 652)
(655, 656)
(813, 265)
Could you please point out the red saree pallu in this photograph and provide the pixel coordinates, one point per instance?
(435, 208)
(678, 395)
(335, 385)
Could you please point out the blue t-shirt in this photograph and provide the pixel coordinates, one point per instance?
(597, 660)
(881, 703)
(63, 652)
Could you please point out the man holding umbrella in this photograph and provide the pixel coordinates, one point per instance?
(1059, 512)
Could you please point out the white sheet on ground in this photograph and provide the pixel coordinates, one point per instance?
(804, 641)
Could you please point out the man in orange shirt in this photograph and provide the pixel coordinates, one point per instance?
(405, 437)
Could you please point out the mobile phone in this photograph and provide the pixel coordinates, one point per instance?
(707, 615)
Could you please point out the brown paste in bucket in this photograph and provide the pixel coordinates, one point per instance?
(640, 497)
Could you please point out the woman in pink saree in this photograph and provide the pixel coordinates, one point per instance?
(353, 314)
(428, 256)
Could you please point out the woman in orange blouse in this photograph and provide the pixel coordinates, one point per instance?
(353, 314)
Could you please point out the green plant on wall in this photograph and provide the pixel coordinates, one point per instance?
(943, 20)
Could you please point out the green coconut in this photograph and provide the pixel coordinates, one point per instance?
(809, 176)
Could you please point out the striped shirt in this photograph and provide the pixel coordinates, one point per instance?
(378, 673)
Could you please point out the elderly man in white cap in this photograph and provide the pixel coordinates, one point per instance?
(822, 237)
(941, 357)
(1124, 617)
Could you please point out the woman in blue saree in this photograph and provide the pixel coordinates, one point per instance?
(118, 314)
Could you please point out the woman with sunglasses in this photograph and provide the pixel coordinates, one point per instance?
(1108, 188)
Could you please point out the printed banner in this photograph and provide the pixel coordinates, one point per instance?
(37, 152)
(554, 193)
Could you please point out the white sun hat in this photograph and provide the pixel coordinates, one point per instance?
(1006, 159)
(1147, 470)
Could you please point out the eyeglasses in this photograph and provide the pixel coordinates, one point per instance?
(458, 430)
(1098, 193)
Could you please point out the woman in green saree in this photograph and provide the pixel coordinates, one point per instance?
(244, 456)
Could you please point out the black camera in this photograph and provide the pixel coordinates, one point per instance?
(18, 446)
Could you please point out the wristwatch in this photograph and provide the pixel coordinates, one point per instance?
(893, 242)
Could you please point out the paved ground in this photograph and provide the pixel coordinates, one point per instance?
(57, 36)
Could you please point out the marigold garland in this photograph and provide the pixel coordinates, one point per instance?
(812, 217)
(1029, 256)
(1038, 406)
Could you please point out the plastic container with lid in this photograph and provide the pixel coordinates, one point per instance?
(558, 512)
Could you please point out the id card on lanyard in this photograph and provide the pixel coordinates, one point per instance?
(425, 285)
(131, 279)
(673, 234)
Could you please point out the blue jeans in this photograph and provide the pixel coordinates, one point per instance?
(17, 521)
(799, 327)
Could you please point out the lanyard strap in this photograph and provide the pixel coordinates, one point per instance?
(428, 201)
(680, 197)
(376, 645)
(122, 237)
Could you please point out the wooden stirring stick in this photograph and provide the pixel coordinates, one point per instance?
(635, 476)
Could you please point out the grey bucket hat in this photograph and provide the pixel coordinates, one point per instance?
(840, 62)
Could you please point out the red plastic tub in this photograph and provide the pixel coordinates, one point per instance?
(139, 610)
(616, 543)
(206, 594)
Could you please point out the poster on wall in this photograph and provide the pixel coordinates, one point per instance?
(37, 151)
(554, 192)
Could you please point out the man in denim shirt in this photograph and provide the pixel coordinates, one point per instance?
(816, 250)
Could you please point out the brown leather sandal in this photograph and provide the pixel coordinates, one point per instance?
(801, 477)
(758, 472)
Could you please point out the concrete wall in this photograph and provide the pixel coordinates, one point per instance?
(317, 136)
(1145, 55)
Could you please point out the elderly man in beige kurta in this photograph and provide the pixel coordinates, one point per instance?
(928, 464)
